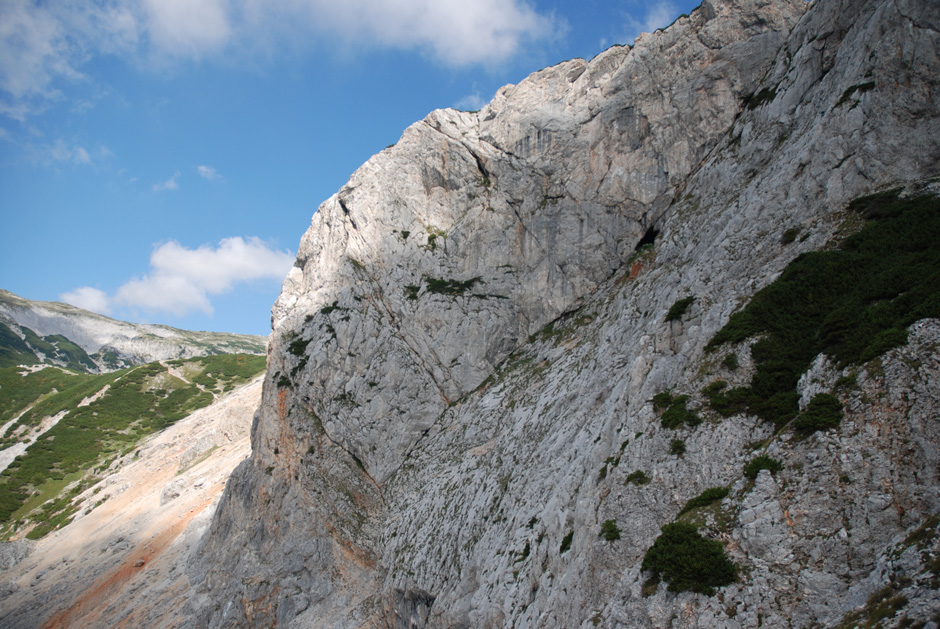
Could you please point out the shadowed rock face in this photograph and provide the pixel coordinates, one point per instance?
(422, 449)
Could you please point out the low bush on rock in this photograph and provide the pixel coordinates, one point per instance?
(824, 411)
(710, 495)
(762, 462)
(609, 530)
(688, 561)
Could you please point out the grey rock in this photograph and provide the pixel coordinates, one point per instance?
(463, 357)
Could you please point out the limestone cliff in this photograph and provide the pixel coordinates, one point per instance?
(464, 355)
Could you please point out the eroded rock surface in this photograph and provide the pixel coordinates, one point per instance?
(429, 453)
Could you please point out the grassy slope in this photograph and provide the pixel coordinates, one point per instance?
(139, 401)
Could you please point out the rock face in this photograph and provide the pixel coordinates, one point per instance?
(104, 344)
(463, 357)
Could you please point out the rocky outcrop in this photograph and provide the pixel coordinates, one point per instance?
(48, 331)
(463, 356)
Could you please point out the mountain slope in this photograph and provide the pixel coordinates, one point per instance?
(61, 431)
(120, 560)
(458, 415)
(492, 387)
(33, 332)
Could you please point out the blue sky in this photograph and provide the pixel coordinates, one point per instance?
(160, 159)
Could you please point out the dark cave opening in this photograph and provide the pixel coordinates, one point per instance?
(648, 238)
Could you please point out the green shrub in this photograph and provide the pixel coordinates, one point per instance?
(730, 362)
(678, 309)
(853, 303)
(860, 88)
(824, 411)
(298, 347)
(662, 400)
(609, 530)
(688, 561)
(566, 542)
(789, 236)
(762, 462)
(765, 95)
(450, 287)
(677, 447)
(638, 477)
(727, 402)
(707, 497)
(678, 414)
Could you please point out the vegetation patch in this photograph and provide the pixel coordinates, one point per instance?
(433, 235)
(823, 412)
(688, 561)
(662, 400)
(566, 543)
(138, 401)
(861, 88)
(677, 447)
(882, 605)
(757, 99)
(638, 477)
(609, 530)
(14, 350)
(223, 372)
(707, 497)
(298, 347)
(727, 402)
(789, 236)
(762, 462)
(678, 414)
(452, 288)
(678, 309)
(853, 303)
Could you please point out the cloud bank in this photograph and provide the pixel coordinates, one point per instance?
(183, 280)
(44, 46)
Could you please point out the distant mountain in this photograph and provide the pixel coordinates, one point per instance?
(42, 332)
(61, 431)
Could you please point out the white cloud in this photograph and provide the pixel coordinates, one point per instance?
(81, 156)
(169, 184)
(187, 28)
(208, 172)
(61, 152)
(471, 102)
(88, 298)
(183, 280)
(45, 46)
(455, 32)
(658, 15)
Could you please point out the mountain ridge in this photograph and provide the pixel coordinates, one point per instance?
(96, 343)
